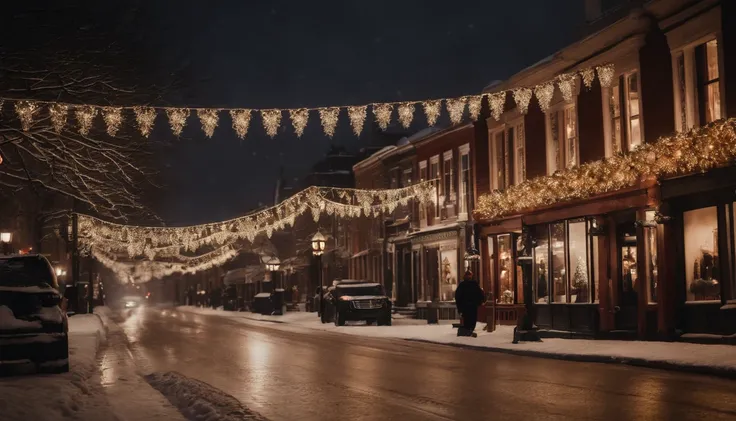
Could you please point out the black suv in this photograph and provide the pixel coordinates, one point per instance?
(355, 301)
(33, 324)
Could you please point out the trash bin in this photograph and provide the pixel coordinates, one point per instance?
(262, 303)
(277, 301)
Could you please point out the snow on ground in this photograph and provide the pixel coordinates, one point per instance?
(73, 395)
(706, 357)
(199, 401)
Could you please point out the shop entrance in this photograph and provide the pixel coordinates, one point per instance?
(627, 275)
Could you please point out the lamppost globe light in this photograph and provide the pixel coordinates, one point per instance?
(273, 264)
(6, 237)
(59, 271)
(318, 244)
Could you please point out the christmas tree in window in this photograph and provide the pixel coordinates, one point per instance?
(580, 281)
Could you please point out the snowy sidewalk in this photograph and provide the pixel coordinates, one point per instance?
(706, 359)
(73, 395)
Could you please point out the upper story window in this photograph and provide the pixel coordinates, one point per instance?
(423, 178)
(622, 109)
(464, 189)
(562, 138)
(434, 174)
(516, 134)
(508, 155)
(697, 84)
(448, 185)
(406, 178)
(499, 160)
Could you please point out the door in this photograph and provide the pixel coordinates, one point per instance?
(626, 314)
(432, 272)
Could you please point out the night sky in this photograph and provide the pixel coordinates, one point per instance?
(305, 54)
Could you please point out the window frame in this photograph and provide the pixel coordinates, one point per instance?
(517, 125)
(423, 208)
(464, 189)
(628, 117)
(435, 160)
(494, 158)
(559, 110)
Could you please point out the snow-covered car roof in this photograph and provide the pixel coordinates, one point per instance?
(358, 285)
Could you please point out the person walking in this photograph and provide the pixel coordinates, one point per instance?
(468, 297)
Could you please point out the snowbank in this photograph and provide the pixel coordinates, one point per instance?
(75, 395)
(717, 359)
(200, 401)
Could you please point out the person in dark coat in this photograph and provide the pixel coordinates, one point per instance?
(468, 297)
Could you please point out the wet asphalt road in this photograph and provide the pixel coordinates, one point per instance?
(327, 376)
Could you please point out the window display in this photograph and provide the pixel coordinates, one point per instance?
(540, 276)
(448, 275)
(559, 262)
(505, 262)
(629, 276)
(579, 283)
(652, 274)
(701, 254)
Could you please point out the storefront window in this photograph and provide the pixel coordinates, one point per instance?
(701, 254)
(540, 275)
(448, 272)
(559, 262)
(579, 281)
(651, 238)
(505, 262)
(595, 264)
(491, 267)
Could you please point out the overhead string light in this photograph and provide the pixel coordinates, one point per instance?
(475, 102)
(113, 117)
(382, 113)
(406, 114)
(241, 122)
(145, 117)
(209, 119)
(588, 76)
(25, 110)
(299, 119)
(85, 115)
(271, 121)
(328, 117)
(497, 102)
(357, 116)
(177, 119)
(456, 108)
(544, 94)
(58, 114)
(566, 83)
(432, 109)
(522, 97)
(605, 75)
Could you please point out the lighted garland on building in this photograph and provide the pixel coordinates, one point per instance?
(698, 150)
(144, 115)
(175, 242)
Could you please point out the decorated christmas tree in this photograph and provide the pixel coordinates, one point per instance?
(580, 280)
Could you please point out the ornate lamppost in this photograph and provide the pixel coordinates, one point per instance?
(318, 248)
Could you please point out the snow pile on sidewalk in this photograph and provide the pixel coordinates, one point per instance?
(696, 357)
(200, 401)
(73, 395)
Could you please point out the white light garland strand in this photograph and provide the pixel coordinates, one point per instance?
(85, 115)
(357, 116)
(209, 119)
(299, 119)
(588, 76)
(475, 102)
(25, 111)
(456, 109)
(58, 114)
(328, 117)
(566, 83)
(406, 114)
(605, 75)
(382, 113)
(113, 119)
(145, 117)
(271, 122)
(241, 122)
(544, 94)
(522, 96)
(177, 119)
(432, 111)
(497, 103)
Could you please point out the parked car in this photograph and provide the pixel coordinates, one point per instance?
(351, 300)
(34, 326)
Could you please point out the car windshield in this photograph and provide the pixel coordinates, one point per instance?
(26, 271)
(360, 290)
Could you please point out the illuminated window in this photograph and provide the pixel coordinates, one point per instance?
(709, 92)
(698, 85)
(634, 105)
(562, 139)
(422, 178)
(434, 172)
(702, 271)
(499, 161)
(516, 133)
(464, 179)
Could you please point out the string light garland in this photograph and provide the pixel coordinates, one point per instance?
(544, 95)
(177, 119)
(382, 113)
(25, 111)
(271, 122)
(241, 122)
(113, 117)
(522, 97)
(406, 114)
(475, 102)
(328, 118)
(170, 242)
(209, 119)
(496, 102)
(299, 118)
(432, 111)
(456, 108)
(357, 116)
(145, 117)
(699, 150)
(85, 114)
(58, 114)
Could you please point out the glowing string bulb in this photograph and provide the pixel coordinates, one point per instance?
(544, 95)
(328, 117)
(432, 111)
(497, 102)
(25, 111)
(588, 76)
(241, 122)
(357, 117)
(382, 112)
(145, 117)
(271, 121)
(456, 108)
(522, 96)
(299, 119)
(177, 119)
(58, 114)
(209, 119)
(605, 75)
(85, 115)
(475, 103)
(113, 117)
(406, 114)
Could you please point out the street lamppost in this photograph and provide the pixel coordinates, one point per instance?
(6, 237)
(273, 266)
(318, 248)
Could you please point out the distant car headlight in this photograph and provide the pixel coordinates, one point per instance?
(129, 304)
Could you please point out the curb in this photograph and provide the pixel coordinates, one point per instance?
(724, 372)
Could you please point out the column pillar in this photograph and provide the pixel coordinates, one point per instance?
(641, 275)
(604, 262)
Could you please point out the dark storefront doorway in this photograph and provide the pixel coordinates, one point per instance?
(627, 275)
